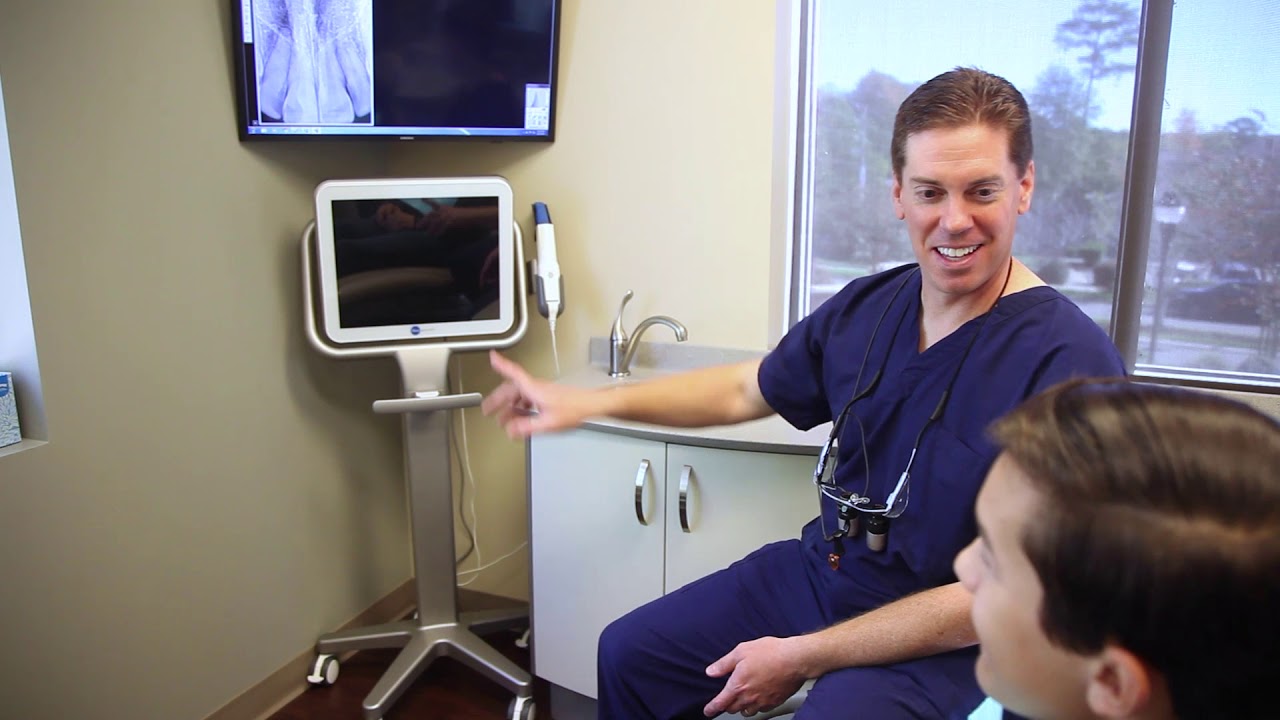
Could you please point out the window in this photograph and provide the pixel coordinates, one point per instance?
(17, 336)
(1213, 274)
(1178, 193)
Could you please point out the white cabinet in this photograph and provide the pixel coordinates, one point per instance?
(592, 560)
(608, 534)
(737, 501)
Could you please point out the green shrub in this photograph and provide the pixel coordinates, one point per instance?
(1104, 275)
(1054, 272)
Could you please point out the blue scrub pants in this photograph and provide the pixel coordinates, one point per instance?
(652, 662)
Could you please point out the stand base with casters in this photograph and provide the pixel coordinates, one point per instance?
(423, 643)
(438, 629)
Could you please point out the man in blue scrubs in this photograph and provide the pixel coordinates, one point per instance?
(912, 365)
(1128, 559)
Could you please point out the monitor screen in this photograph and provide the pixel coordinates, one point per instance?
(396, 69)
(415, 259)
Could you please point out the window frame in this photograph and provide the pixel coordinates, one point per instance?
(794, 123)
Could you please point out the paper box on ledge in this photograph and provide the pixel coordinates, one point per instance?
(9, 431)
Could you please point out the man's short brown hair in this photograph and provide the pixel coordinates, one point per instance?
(961, 97)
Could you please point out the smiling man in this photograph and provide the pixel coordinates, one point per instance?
(910, 366)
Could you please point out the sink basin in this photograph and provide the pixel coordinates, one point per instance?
(638, 374)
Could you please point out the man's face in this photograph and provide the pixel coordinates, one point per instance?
(1018, 666)
(961, 197)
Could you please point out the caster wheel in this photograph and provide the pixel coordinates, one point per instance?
(324, 671)
(521, 708)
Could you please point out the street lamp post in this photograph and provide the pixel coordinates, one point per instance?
(1168, 213)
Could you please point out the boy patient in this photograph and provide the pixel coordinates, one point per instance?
(1128, 561)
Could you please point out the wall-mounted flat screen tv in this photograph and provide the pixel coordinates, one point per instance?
(396, 69)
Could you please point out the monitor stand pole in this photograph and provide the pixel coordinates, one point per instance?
(438, 628)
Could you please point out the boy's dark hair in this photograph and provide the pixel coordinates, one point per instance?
(1159, 532)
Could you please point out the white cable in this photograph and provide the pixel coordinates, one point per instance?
(456, 459)
(519, 547)
(467, 475)
(553, 309)
(455, 453)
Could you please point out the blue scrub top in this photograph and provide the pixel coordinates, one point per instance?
(1033, 339)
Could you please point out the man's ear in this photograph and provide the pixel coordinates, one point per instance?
(897, 199)
(1120, 684)
(1026, 186)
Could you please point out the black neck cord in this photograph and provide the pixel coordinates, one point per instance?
(875, 379)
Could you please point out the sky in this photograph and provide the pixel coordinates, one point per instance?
(1223, 63)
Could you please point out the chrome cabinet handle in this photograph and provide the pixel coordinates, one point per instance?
(685, 476)
(642, 477)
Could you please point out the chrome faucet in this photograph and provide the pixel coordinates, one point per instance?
(622, 349)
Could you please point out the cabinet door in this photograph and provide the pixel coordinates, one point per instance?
(736, 501)
(592, 559)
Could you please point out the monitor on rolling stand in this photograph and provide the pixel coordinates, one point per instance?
(418, 269)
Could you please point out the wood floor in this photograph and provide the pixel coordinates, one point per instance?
(446, 690)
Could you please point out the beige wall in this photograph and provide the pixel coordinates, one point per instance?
(659, 182)
(214, 495)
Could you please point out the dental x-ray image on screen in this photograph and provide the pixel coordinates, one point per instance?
(396, 69)
(314, 61)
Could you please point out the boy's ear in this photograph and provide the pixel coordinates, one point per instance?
(1120, 684)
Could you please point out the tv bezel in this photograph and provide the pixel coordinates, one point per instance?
(240, 84)
(413, 188)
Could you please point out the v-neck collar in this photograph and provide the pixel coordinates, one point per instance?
(921, 364)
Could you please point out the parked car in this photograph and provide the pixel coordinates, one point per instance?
(1229, 301)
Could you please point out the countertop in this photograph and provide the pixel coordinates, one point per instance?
(652, 360)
